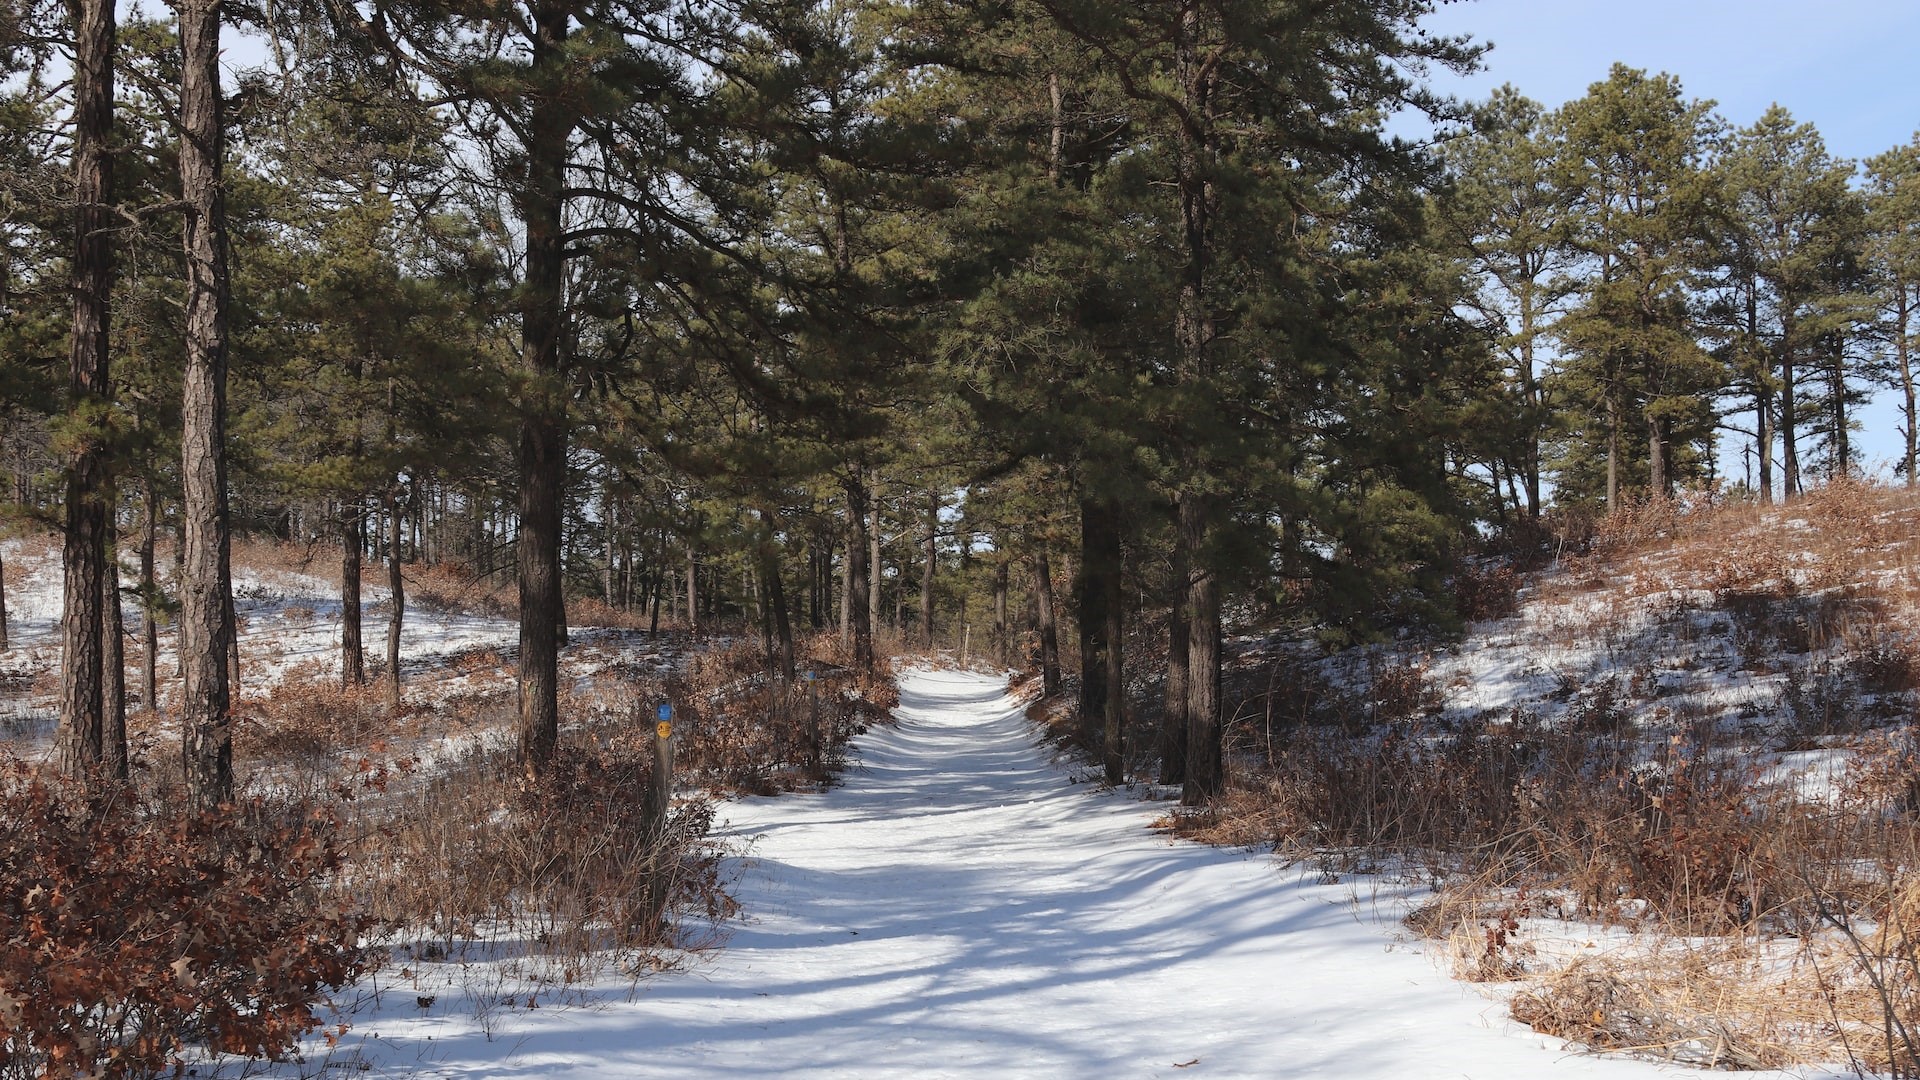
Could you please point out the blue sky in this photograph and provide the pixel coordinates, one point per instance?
(1851, 67)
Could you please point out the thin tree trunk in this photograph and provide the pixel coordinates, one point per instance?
(397, 605)
(1613, 455)
(113, 666)
(1049, 627)
(149, 594)
(926, 574)
(1901, 350)
(693, 593)
(874, 563)
(1092, 591)
(1173, 721)
(1114, 755)
(1842, 443)
(859, 597)
(1656, 459)
(776, 599)
(207, 628)
(612, 513)
(1000, 574)
(89, 390)
(1789, 414)
(3, 607)
(846, 598)
(353, 655)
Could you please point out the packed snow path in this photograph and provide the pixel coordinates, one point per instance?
(961, 908)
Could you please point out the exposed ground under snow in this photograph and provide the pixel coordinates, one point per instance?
(961, 908)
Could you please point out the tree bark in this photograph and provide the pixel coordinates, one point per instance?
(874, 562)
(397, 606)
(543, 435)
(1000, 573)
(207, 627)
(1902, 352)
(846, 598)
(3, 606)
(693, 592)
(113, 666)
(1049, 627)
(775, 591)
(1837, 393)
(926, 574)
(1789, 412)
(149, 595)
(1173, 720)
(1613, 455)
(1205, 775)
(1656, 459)
(859, 596)
(353, 538)
(1099, 548)
(89, 393)
(1114, 749)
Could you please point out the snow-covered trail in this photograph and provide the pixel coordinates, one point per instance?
(961, 909)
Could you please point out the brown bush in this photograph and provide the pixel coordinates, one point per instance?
(129, 934)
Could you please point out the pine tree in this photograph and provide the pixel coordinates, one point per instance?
(87, 709)
(1893, 208)
(1505, 211)
(1638, 196)
(1794, 223)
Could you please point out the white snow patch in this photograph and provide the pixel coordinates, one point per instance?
(960, 908)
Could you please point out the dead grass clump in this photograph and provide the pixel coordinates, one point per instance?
(1885, 665)
(1672, 1010)
(1238, 819)
(455, 587)
(1487, 591)
(593, 611)
(566, 872)
(302, 720)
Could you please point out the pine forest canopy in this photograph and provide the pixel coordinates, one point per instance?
(891, 315)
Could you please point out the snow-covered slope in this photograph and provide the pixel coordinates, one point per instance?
(960, 908)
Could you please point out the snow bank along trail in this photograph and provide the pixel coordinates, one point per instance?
(960, 908)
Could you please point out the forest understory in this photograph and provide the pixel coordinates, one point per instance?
(1664, 787)
(1659, 795)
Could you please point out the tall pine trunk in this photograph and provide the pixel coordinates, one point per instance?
(1098, 589)
(859, 612)
(1910, 458)
(89, 493)
(1837, 394)
(774, 590)
(874, 552)
(1045, 612)
(1193, 332)
(1789, 412)
(397, 600)
(207, 629)
(926, 574)
(1173, 719)
(353, 538)
(149, 596)
(113, 665)
(1000, 613)
(1205, 773)
(543, 436)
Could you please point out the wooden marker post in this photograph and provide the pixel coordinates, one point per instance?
(661, 797)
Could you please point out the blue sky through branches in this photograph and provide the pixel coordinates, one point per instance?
(1851, 67)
